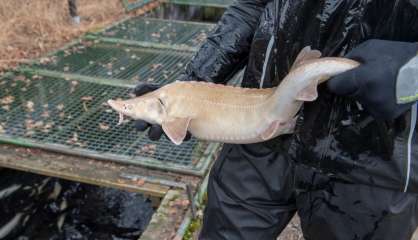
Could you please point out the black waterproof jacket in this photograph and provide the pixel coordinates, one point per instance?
(334, 136)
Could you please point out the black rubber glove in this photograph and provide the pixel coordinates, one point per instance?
(155, 131)
(373, 83)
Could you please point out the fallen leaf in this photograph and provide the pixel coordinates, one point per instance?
(60, 107)
(156, 35)
(45, 60)
(86, 98)
(48, 126)
(45, 114)
(185, 203)
(29, 106)
(86, 109)
(155, 66)
(7, 100)
(110, 33)
(73, 86)
(148, 149)
(73, 139)
(30, 132)
(140, 182)
(20, 78)
(103, 126)
(30, 124)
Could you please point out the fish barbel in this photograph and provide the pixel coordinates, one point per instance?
(228, 114)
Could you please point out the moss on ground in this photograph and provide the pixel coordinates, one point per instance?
(194, 226)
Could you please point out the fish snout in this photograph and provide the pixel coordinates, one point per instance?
(118, 106)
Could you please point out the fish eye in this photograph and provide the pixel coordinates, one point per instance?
(127, 107)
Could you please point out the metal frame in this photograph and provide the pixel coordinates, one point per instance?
(150, 163)
(129, 6)
(202, 3)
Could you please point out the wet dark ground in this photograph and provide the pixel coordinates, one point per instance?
(37, 207)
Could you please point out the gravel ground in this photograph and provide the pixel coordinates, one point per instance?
(292, 231)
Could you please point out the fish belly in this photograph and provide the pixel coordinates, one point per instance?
(229, 126)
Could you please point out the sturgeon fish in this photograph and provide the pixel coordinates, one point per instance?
(228, 114)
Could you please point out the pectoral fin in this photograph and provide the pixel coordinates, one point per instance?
(270, 130)
(176, 129)
(286, 127)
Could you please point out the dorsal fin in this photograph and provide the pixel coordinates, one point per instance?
(305, 54)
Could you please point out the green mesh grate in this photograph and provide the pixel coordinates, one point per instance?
(70, 116)
(160, 31)
(135, 4)
(209, 3)
(122, 64)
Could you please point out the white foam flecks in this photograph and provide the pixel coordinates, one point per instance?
(56, 192)
(10, 226)
(9, 191)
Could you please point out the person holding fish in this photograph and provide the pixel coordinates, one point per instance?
(350, 167)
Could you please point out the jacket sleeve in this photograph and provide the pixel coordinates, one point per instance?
(226, 49)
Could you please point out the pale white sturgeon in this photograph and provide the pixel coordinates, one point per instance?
(227, 114)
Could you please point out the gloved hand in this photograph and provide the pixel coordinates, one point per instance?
(155, 131)
(373, 83)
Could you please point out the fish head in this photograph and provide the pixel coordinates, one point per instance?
(148, 108)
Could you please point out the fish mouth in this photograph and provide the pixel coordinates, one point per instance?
(117, 106)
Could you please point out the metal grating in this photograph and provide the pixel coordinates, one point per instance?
(160, 31)
(71, 116)
(124, 65)
(206, 3)
(135, 4)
